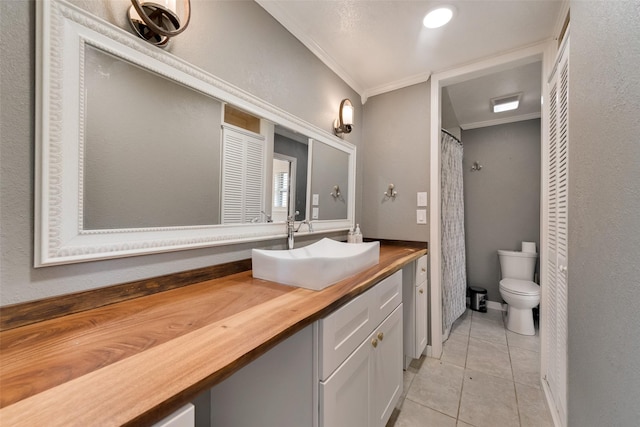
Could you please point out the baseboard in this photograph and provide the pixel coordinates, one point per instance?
(551, 404)
(494, 305)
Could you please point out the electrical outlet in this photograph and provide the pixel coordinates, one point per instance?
(314, 213)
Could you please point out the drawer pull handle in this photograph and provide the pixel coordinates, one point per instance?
(421, 291)
(380, 336)
(374, 342)
(424, 270)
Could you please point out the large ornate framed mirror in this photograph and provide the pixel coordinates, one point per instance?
(134, 156)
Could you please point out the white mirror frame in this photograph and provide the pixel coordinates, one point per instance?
(63, 30)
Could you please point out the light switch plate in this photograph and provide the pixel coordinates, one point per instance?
(422, 198)
(314, 213)
(315, 200)
(421, 216)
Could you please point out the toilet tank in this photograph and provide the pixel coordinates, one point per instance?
(517, 265)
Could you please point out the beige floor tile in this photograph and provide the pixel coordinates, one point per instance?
(531, 343)
(532, 406)
(488, 331)
(407, 380)
(526, 366)
(416, 415)
(437, 386)
(490, 315)
(463, 424)
(462, 324)
(489, 358)
(488, 401)
(454, 350)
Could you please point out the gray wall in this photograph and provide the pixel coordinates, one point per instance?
(448, 119)
(136, 175)
(262, 58)
(502, 201)
(396, 137)
(329, 168)
(604, 214)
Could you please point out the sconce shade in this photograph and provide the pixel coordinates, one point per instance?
(157, 21)
(344, 122)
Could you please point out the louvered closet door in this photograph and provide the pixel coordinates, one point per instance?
(556, 295)
(242, 183)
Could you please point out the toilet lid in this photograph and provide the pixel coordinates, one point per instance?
(520, 287)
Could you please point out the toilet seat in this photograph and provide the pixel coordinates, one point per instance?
(520, 287)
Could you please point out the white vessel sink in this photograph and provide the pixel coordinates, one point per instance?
(315, 266)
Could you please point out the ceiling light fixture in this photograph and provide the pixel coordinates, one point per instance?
(438, 17)
(506, 103)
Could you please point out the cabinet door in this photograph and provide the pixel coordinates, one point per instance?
(421, 320)
(386, 368)
(345, 396)
(421, 269)
(343, 331)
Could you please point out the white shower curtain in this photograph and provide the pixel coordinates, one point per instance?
(454, 275)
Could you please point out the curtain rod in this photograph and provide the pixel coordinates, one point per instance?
(451, 135)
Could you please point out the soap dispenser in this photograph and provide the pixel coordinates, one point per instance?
(351, 238)
(357, 235)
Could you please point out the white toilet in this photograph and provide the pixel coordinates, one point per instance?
(518, 289)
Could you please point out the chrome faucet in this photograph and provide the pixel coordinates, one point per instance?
(291, 228)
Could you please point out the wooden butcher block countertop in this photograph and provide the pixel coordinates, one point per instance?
(136, 361)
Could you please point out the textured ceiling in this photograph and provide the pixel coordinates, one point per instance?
(380, 45)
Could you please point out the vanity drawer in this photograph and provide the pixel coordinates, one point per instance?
(342, 331)
(387, 295)
(421, 270)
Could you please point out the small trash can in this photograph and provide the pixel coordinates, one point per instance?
(478, 297)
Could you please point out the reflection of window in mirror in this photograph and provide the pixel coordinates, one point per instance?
(281, 189)
(284, 176)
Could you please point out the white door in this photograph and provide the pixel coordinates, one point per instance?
(242, 180)
(344, 396)
(386, 368)
(554, 308)
(421, 319)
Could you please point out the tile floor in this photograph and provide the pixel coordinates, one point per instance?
(487, 376)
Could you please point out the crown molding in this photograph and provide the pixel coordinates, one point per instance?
(398, 84)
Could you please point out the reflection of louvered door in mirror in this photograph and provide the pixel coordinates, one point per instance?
(243, 165)
(555, 302)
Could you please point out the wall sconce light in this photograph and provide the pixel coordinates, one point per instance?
(344, 122)
(157, 21)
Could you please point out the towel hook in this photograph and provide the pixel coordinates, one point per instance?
(476, 167)
(336, 192)
(391, 193)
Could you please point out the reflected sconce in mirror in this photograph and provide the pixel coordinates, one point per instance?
(336, 192)
(157, 22)
(391, 193)
(344, 122)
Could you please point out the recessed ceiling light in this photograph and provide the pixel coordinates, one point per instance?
(438, 17)
(506, 103)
